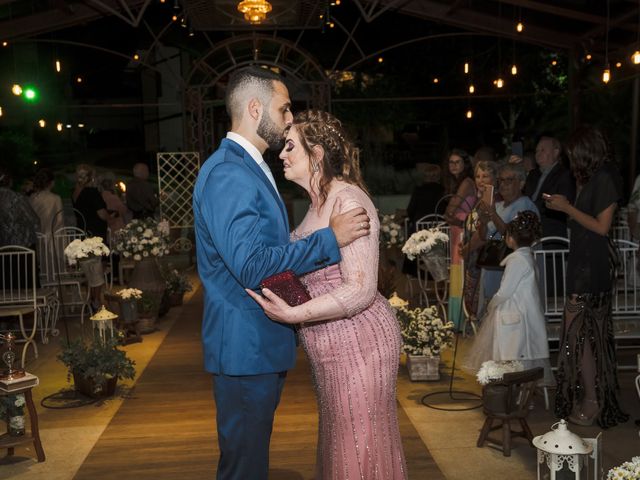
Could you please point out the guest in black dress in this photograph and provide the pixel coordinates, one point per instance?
(587, 379)
(91, 210)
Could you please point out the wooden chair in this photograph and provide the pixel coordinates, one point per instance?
(508, 400)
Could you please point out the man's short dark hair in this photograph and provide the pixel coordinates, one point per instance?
(249, 81)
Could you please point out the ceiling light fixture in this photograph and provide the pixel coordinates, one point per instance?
(255, 11)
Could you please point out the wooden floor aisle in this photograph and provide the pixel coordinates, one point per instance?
(166, 429)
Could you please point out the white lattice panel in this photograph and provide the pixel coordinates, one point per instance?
(177, 173)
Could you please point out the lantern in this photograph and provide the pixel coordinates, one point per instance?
(563, 454)
(102, 320)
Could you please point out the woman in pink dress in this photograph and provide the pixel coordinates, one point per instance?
(348, 330)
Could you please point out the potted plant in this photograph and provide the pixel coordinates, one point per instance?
(177, 285)
(97, 366)
(87, 253)
(431, 246)
(424, 335)
(148, 308)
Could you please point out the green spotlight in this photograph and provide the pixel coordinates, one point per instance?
(30, 94)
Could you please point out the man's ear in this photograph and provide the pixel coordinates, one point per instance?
(254, 108)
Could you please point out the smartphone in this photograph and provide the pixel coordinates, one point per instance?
(517, 149)
(487, 195)
(546, 196)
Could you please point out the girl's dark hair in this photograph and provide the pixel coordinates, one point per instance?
(588, 149)
(525, 228)
(452, 183)
(42, 179)
(341, 157)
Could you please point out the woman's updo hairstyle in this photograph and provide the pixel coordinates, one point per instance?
(341, 156)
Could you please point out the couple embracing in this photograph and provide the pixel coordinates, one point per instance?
(348, 330)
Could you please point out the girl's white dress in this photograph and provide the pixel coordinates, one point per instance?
(514, 327)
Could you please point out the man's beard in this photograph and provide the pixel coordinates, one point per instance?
(270, 133)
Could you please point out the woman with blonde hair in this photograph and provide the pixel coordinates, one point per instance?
(348, 329)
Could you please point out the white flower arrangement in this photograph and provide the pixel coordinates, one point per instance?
(130, 293)
(143, 238)
(88, 247)
(423, 331)
(391, 232)
(493, 370)
(423, 241)
(626, 471)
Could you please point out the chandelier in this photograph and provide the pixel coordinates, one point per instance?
(255, 11)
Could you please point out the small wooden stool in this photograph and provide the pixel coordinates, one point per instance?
(9, 442)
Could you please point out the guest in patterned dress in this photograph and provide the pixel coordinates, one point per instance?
(348, 330)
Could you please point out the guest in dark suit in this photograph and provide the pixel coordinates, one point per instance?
(550, 177)
(554, 178)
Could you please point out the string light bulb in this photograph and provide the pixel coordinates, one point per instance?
(1, 111)
(136, 57)
(514, 69)
(79, 79)
(499, 82)
(635, 58)
(436, 80)
(42, 123)
(588, 57)
(606, 75)
(469, 113)
(519, 27)
(59, 126)
(618, 64)
(16, 89)
(58, 66)
(472, 89)
(380, 59)
(466, 67)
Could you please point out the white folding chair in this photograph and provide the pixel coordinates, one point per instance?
(18, 296)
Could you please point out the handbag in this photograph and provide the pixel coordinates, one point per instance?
(492, 253)
(288, 287)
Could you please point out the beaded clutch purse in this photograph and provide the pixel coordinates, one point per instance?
(288, 287)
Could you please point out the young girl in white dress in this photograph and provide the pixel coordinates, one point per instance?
(514, 325)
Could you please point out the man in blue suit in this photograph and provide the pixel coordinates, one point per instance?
(242, 236)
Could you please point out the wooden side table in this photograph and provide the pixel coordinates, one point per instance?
(9, 442)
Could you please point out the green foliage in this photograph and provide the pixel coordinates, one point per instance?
(148, 303)
(99, 360)
(177, 283)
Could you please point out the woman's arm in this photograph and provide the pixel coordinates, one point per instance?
(600, 224)
(359, 271)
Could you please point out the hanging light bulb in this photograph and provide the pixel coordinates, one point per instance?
(519, 27)
(618, 64)
(635, 58)
(469, 113)
(606, 75)
(4, 44)
(79, 79)
(1, 111)
(16, 89)
(380, 59)
(514, 69)
(588, 57)
(436, 80)
(42, 123)
(554, 62)
(466, 67)
(58, 66)
(59, 126)
(472, 89)
(499, 82)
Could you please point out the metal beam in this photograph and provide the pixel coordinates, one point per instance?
(556, 10)
(478, 22)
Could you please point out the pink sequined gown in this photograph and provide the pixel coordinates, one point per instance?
(354, 359)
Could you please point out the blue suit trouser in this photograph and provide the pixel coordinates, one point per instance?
(245, 408)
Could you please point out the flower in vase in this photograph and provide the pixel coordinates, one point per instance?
(142, 238)
(391, 232)
(423, 241)
(626, 471)
(85, 248)
(130, 293)
(423, 331)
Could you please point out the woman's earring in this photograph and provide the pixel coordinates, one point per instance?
(314, 167)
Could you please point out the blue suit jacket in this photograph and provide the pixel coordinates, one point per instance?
(242, 236)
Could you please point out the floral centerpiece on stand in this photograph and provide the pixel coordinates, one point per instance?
(142, 238)
(88, 252)
(424, 336)
(130, 294)
(627, 471)
(12, 410)
(494, 370)
(391, 231)
(431, 246)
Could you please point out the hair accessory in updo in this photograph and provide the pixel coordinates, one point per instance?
(526, 221)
